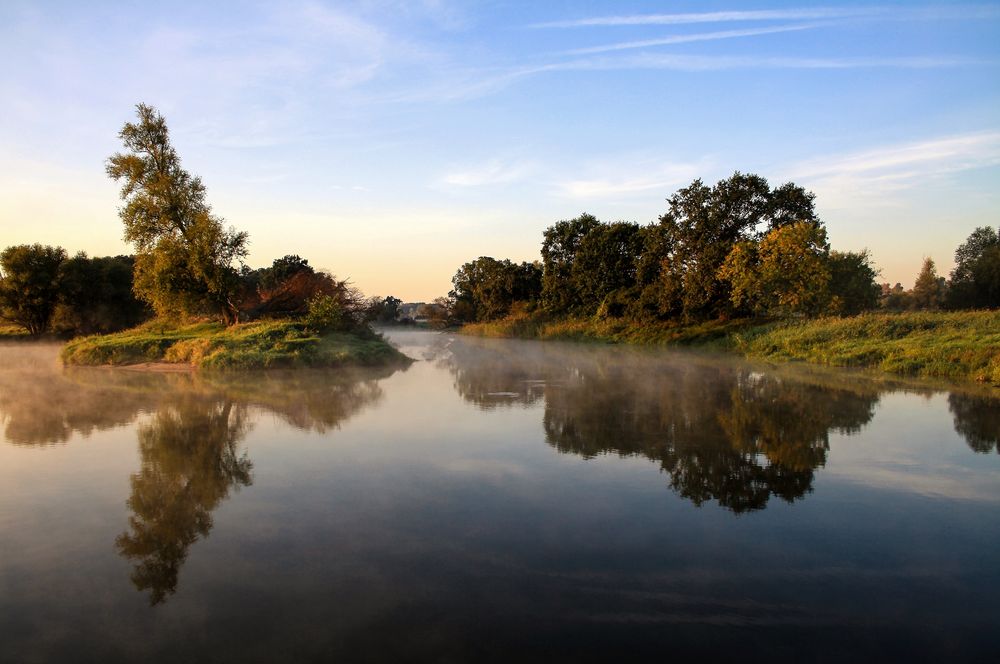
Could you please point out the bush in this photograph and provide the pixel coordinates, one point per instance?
(325, 314)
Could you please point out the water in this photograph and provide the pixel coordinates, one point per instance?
(496, 501)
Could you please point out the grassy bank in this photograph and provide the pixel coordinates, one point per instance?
(256, 345)
(13, 333)
(956, 345)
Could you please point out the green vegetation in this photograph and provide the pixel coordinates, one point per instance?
(740, 266)
(959, 345)
(12, 332)
(29, 285)
(737, 249)
(184, 255)
(257, 345)
(956, 345)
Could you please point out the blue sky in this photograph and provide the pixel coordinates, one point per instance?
(391, 141)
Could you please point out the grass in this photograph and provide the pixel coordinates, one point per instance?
(955, 345)
(258, 345)
(11, 332)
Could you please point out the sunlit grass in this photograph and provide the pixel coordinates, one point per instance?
(959, 345)
(266, 344)
(9, 331)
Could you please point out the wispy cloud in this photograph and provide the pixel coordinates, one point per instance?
(717, 63)
(715, 17)
(641, 176)
(698, 37)
(790, 14)
(464, 84)
(493, 172)
(879, 173)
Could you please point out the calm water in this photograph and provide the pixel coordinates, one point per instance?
(495, 501)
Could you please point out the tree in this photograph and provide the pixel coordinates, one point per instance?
(895, 298)
(975, 281)
(786, 272)
(487, 288)
(704, 224)
(184, 255)
(281, 269)
(852, 283)
(95, 295)
(559, 247)
(29, 285)
(605, 264)
(928, 291)
(383, 310)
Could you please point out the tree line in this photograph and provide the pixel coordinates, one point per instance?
(739, 248)
(43, 290)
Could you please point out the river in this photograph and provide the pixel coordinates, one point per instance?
(497, 500)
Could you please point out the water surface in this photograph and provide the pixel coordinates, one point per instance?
(496, 501)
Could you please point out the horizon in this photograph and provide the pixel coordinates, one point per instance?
(390, 143)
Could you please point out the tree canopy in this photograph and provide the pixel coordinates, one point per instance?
(975, 281)
(736, 248)
(487, 288)
(704, 224)
(184, 255)
(29, 285)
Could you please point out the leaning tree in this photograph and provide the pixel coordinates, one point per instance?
(185, 257)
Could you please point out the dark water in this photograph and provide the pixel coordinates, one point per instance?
(496, 501)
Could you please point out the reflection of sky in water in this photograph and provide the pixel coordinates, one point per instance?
(431, 512)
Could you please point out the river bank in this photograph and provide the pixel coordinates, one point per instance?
(954, 345)
(257, 345)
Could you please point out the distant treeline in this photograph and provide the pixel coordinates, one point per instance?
(42, 290)
(736, 249)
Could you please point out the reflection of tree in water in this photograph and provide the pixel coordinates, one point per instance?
(188, 446)
(40, 404)
(718, 429)
(977, 419)
(190, 463)
(492, 377)
(312, 400)
(43, 404)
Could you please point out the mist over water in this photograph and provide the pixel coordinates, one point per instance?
(496, 500)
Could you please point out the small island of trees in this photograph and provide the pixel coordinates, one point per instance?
(186, 284)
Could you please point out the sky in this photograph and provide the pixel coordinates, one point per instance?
(391, 141)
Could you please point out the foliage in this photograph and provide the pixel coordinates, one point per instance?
(975, 281)
(928, 291)
(606, 263)
(895, 298)
(560, 243)
(383, 310)
(29, 285)
(786, 273)
(704, 224)
(290, 295)
(184, 255)
(487, 288)
(736, 248)
(95, 295)
(852, 283)
(326, 315)
(281, 270)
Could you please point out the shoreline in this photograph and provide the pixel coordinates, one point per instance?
(276, 344)
(956, 346)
